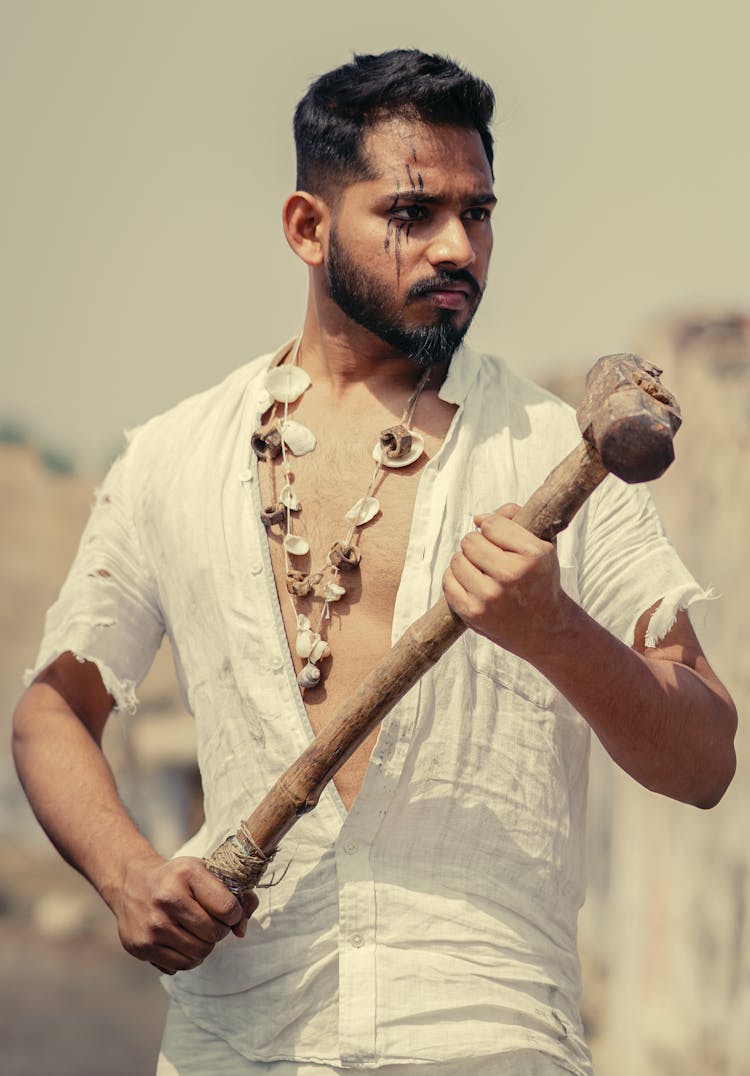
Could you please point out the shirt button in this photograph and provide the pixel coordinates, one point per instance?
(245, 476)
(357, 941)
(350, 847)
(256, 568)
(276, 663)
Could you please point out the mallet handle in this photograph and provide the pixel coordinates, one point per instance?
(549, 510)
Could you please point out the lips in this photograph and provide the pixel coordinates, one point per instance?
(449, 291)
(448, 298)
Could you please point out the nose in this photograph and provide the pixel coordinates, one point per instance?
(451, 246)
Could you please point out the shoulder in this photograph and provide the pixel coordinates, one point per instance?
(206, 417)
(510, 402)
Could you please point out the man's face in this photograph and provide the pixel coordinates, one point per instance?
(408, 251)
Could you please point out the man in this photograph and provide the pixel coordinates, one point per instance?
(428, 911)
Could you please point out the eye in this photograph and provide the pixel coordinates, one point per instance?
(478, 213)
(409, 212)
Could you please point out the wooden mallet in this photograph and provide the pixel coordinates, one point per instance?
(628, 420)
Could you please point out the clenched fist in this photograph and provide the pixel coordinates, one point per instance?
(173, 912)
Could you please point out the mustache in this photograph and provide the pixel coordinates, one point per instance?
(445, 279)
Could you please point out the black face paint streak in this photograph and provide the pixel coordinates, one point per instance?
(399, 232)
(391, 223)
(419, 181)
(388, 232)
(411, 178)
(414, 154)
(408, 230)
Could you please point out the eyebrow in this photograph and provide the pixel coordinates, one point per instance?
(422, 197)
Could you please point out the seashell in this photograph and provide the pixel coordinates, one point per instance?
(296, 545)
(333, 591)
(320, 649)
(309, 676)
(416, 450)
(297, 438)
(272, 513)
(298, 584)
(305, 641)
(344, 557)
(363, 511)
(396, 441)
(266, 442)
(287, 383)
(288, 498)
(264, 401)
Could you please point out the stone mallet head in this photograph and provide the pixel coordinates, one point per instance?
(629, 417)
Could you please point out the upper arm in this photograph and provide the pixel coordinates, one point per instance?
(680, 646)
(79, 684)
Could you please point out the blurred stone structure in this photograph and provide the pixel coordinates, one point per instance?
(666, 929)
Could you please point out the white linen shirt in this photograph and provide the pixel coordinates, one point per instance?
(437, 919)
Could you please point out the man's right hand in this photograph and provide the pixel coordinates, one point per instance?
(173, 912)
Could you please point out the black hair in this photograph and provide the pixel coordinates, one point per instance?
(339, 108)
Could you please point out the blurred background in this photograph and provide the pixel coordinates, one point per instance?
(146, 153)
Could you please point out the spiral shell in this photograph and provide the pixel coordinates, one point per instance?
(344, 557)
(266, 442)
(287, 383)
(309, 676)
(306, 639)
(320, 650)
(380, 452)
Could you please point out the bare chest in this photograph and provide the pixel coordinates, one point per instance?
(356, 628)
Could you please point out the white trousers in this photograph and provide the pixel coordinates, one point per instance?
(188, 1050)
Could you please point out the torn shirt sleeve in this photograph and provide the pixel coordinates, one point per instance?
(108, 610)
(630, 565)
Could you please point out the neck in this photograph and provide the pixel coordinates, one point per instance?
(337, 352)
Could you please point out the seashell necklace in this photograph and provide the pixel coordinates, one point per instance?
(398, 446)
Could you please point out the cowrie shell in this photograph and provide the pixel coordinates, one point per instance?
(333, 591)
(416, 450)
(296, 545)
(287, 383)
(363, 511)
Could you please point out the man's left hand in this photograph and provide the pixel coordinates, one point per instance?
(504, 583)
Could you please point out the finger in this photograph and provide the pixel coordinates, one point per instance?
(214, 897)
(469, 567)
(250, 903)
(503, 531)
(508, 510)
(492, 560)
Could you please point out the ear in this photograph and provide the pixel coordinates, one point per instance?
(306, 219)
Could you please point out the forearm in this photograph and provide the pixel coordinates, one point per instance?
(668, 723)
(72, 791)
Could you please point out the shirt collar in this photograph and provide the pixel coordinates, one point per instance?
(462, 374)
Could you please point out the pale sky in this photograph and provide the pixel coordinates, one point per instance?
(147, 151)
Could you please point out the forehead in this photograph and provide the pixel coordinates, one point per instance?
(398, 150)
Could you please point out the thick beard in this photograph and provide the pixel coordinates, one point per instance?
(370, 304)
